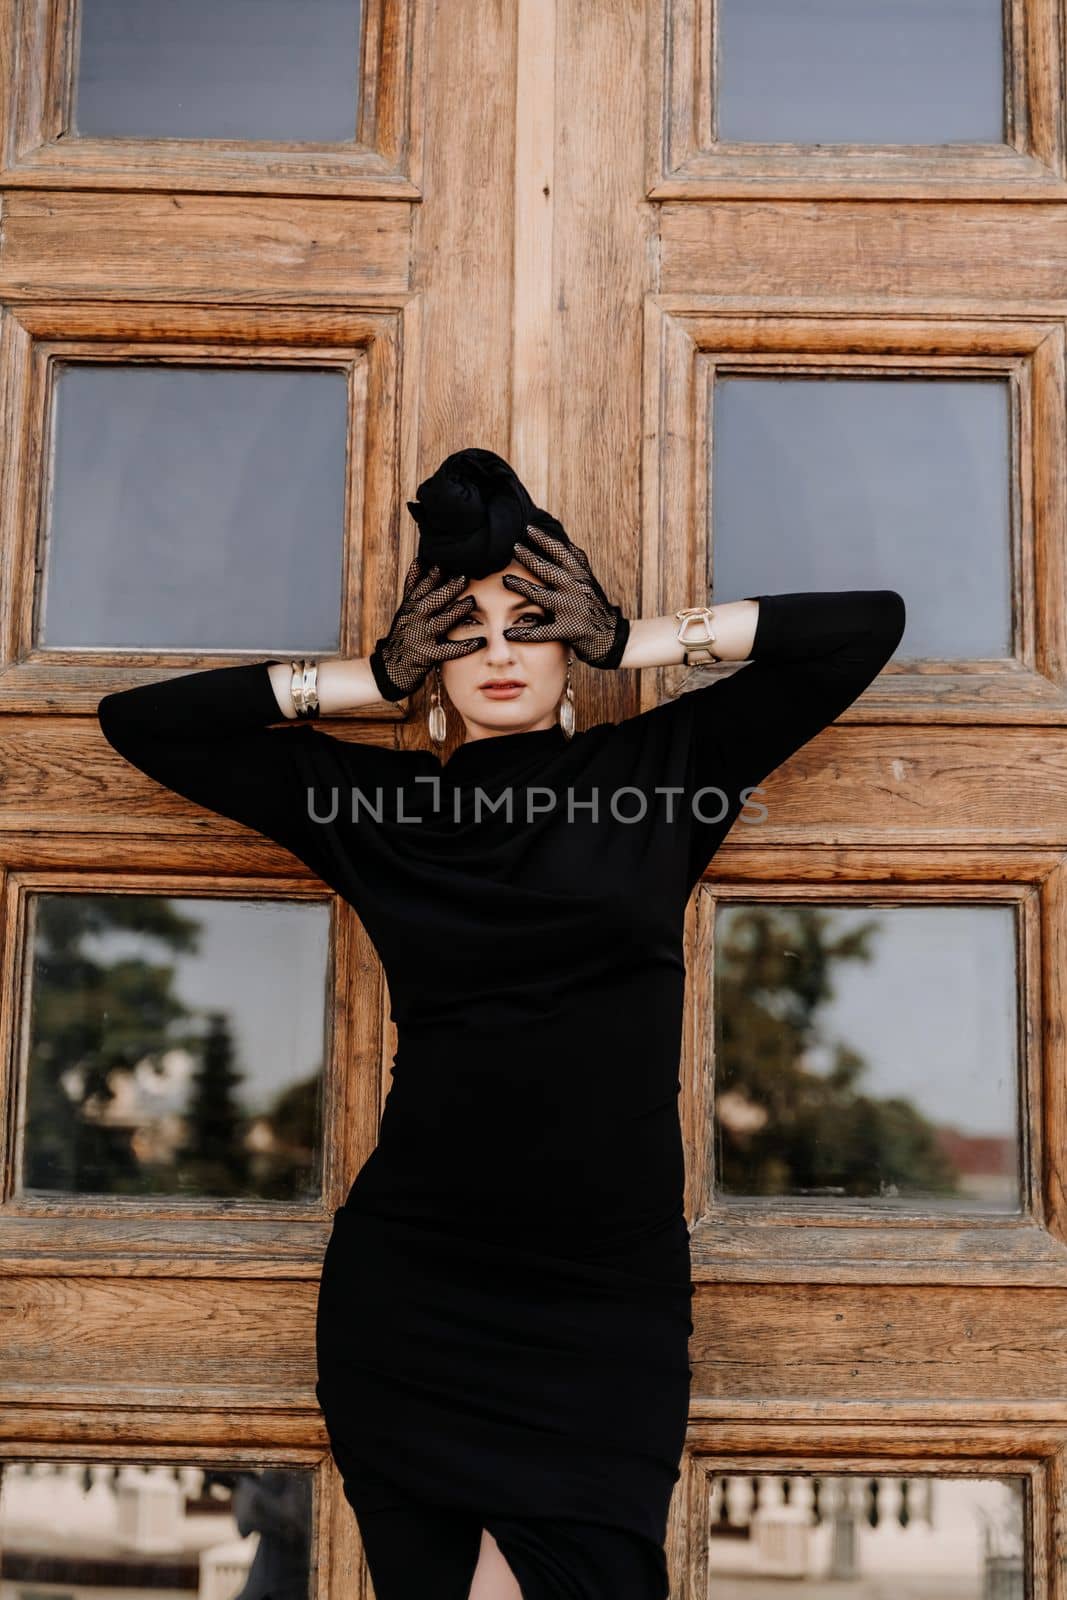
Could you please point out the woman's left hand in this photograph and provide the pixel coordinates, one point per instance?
(580, 613)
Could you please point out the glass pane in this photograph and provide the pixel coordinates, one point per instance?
(176, 1046)
(871, 483)
(863, 1538)
(218, 69)
(868, 1052)
(831, 71)
(197, 508)
(74, 1529)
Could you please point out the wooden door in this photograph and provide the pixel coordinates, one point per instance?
(851, 366)
(735, 311)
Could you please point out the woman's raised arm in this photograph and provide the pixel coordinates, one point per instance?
(208, 736)
(808, 655)
(813, 653)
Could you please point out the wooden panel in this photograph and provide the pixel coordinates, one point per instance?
(796, 256)
(605, 247)
(184, 1343)
(950, 787)
(457, 376)
(157, 247)
(802, 1445)
(254, 1434)
(944, 786)
(463, 239)
(739, 1244)
(772, 1350)
(75, 781)
(797, 1350)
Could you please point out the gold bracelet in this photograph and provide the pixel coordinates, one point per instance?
(695, 646)
(304, 687)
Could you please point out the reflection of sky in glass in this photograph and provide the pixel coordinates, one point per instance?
(929, 1020)
(921, 1538)
(263, 963)
(870, 483)
(933, 1014)
(839, 71)
(218, 69)
(196, 508)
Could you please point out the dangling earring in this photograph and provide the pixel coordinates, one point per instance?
(566, 705)
(437, 720)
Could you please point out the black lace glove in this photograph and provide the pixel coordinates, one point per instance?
(416, 639)
(580, 613)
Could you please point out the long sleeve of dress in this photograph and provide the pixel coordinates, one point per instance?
(207, 736)
(813, 654)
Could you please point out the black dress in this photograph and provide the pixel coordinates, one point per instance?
(504, 1308)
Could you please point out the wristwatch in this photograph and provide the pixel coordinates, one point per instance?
(695, 633)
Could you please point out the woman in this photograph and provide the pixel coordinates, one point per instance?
(504, 1309)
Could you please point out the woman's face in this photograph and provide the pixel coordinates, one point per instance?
(540, 669)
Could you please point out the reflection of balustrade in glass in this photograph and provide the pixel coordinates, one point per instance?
(215, 1533)
(950, 1538)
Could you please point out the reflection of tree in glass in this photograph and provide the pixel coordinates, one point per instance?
(91, 1019)
(215, 1124)
(111, 1040)
(295, 1113)
(782, 1127)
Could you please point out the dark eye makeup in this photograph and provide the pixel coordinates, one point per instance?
(523, 616)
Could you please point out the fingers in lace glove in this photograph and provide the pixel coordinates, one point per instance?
(416, 639)
(580, 613)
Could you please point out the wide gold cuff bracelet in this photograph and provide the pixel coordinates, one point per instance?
(695, 633)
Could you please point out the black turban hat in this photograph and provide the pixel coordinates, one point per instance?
(470, 513)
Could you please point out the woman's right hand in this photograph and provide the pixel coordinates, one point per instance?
(416, 639)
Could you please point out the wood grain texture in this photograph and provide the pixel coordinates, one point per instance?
(983, 259)
(198, 1341)
(819, 1345)
(604, 264)
(687, 159)
(458, 381)
(39, 146)
(224, 249)
(539, 246)
(944, 786)
(533, 320)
